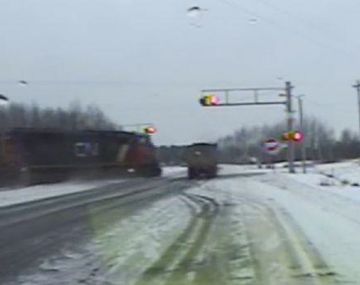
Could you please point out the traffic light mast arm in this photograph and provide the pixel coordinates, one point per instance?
(249, 104)
(242, 89)
(227, 92)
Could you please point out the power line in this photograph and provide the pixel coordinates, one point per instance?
(292, 16)
(292, 31)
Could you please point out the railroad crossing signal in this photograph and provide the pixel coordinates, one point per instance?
(150, 130)
(209, 100)
(294, 136)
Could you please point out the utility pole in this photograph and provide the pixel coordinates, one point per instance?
(290, 125)
(301, 121)
(357, 87)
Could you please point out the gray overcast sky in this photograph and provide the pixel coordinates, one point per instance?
(146, 60)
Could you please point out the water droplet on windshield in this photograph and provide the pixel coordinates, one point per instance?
(194, 11)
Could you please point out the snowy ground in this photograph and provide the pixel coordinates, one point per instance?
(174, 171)
(344, 172)
(275, 228)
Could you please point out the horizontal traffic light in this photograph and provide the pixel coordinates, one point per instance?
(150, 130)
(294, 136)
(209, 100)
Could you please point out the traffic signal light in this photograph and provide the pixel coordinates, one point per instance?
(294, 136)
(150, 130)
(209, 100)
(285, 137)
(297, 137)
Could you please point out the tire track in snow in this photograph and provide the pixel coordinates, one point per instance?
(177, 264)
(303, 263)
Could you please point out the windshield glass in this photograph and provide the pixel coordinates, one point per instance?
(179, 142)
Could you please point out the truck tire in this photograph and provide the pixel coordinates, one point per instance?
(212, 173)
(191, 173)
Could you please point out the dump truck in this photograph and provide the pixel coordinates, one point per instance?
(201, 160)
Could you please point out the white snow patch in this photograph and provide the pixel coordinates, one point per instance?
(345, 172)
(327, 215)
(229, 169)
(174, 171)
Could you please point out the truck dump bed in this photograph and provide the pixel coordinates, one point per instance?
(201, 159)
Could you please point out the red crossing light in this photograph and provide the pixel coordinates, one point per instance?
(150, 130)
(298, 137)
(294, 136)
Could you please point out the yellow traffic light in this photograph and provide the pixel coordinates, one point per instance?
(209, 100)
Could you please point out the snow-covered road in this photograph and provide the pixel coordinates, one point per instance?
(243, 228)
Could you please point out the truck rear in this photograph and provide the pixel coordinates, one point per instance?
(201, 159)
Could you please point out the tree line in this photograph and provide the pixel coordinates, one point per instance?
(243, 146)
(75, 117)
(246, 145)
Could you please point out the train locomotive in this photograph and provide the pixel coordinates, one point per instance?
(32, 156)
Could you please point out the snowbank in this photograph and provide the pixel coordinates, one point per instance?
(328, 216)
(229, 169)
(171, 171)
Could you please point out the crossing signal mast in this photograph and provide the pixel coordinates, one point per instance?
(214, 101)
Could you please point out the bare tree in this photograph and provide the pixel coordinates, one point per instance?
(73, 118)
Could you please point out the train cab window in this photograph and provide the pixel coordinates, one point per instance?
(80, 149)
(84, 149)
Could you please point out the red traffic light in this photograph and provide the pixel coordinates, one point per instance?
(209, 100)
(294, 136)
(214, 100)
(297, 137)
(150, 130)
